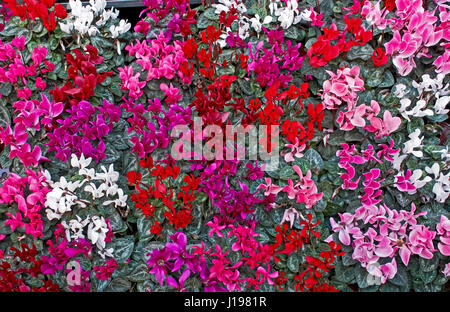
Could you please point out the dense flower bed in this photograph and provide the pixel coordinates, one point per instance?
(102, 190)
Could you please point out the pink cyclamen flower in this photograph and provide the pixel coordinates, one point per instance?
(295, 151)
(443, 229)
(447, 270)
(269, 188)
(421, 239)
(388, 270)
(172, 94)
(344, 227)
(316, 20)
(40, 83)
(264, 274)
(403, 184)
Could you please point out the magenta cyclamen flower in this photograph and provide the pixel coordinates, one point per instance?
(82, 132)
(180, 283)
(159, 264)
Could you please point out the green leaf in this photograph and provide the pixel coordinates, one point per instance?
(388, 80)
(111, 154)
(314, 158)
(415, 123)
(118, 285)
(401, 278)
(293, 262)
(123, 247)
(389, 287)
(375, 77)
(303, 164)
(203, 21)
(361, 277)
(358, 52)
(429, 265)
(5, 88)
(209, 14)
(117, 223)
(287, 173)
(143, 226)
(344, 274)
(347, 260)
(139, 274)
(428, 277)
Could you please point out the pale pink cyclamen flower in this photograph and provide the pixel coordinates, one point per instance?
(345, 227)
(447, 270)
(296, 151)
(290, 215)
(383, 127)
(374, 15)
(304, 190)
(269, 188)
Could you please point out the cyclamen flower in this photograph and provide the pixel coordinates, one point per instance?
(216, 228)
(131, 82)
(441, 182)
(172, 94)
(105, 272)
(296, 150)
(304, 190)
(345, 227)
(421, 239)
(414, 142)
(403, 184)
(379, 57)
(443, 230)
(269, 188)
(180, 283)
(159, 264)
(290, 215)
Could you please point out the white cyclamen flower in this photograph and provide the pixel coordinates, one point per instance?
(256, 23)
(415, 179)
(58, 203)
(110, 176)
(398, 159)
(97, 6)
(96, 192)
(414, 142)
(441, 104)
(441, 186)
(74, 229)
(97, 230)
(120, 29)
(80, 163)
(416, 111)
(400, 90)
(119, 202)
